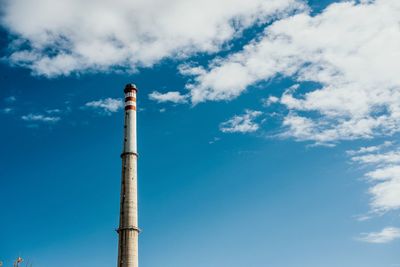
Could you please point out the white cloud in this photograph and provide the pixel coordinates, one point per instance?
(173, 96)
(385, 190)
(384, 178)
(108, 105)
(350, 49)
(40, 118)
(241, 123)
(271, 100)
(59, 37)
(387, 235)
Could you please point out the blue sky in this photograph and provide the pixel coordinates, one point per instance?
(267, 131)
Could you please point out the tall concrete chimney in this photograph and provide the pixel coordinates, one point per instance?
(128, 230)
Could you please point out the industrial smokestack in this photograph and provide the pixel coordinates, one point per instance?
(128, 230)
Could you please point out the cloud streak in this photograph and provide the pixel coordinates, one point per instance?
(107, 105)
(387, 235)
(40, 118)
(173, 96)
(384, 178)
(241, 123)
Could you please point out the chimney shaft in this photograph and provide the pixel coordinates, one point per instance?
(128, 230)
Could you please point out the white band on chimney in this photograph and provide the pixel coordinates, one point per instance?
(130, 103)
(133, 94)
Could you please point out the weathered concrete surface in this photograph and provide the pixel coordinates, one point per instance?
(128, 230)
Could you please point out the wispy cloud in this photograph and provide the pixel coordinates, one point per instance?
(385, 191)
(10, 99)
(53, 111)
(214, 140)
(270, 100)
(387, 235)
(391, 157)
(369, 149)
(384, 178)
(173, 96)
(40, 118)
(241, 123)
(10, 105)
(7, 110)
(107, 105)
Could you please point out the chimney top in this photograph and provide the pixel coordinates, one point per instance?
(130, 87)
